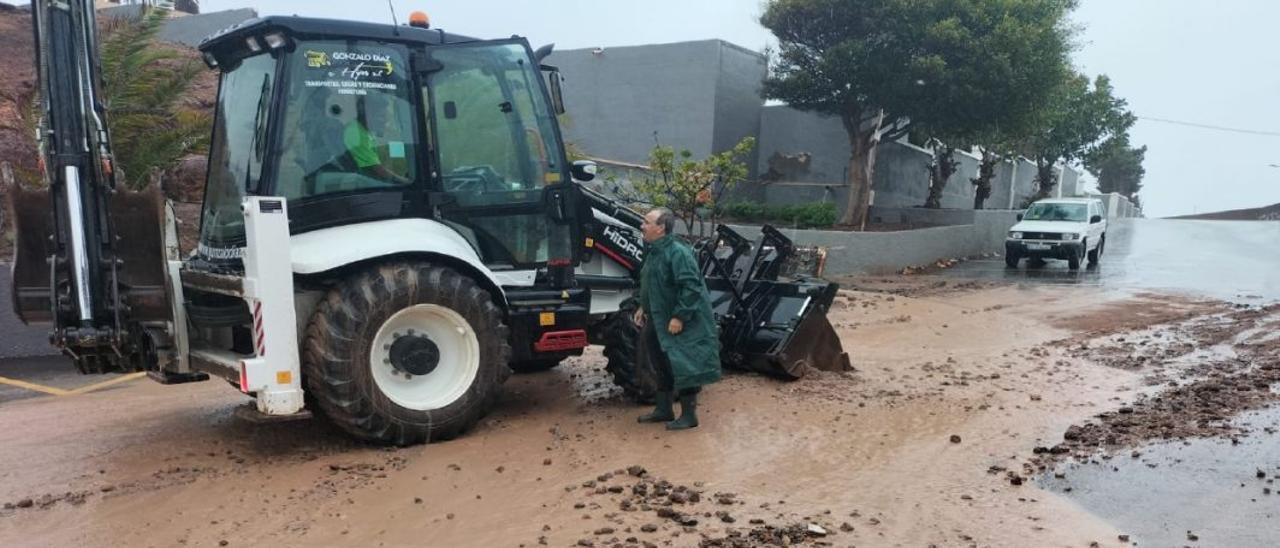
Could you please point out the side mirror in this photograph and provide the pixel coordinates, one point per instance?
(557, 94)
(1019, 217)
(584, 170)
(1095, 219)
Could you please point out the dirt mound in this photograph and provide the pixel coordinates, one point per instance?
(634, 507)
(1211, 368)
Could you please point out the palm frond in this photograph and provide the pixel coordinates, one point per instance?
(145, 83)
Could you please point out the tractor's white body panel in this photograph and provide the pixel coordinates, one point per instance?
(330, 248)
(275, 371)
(605, 300)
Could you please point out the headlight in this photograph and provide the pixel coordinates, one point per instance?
(1015, 235)
(1071, 236)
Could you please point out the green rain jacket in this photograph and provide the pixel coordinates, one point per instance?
(671, 286)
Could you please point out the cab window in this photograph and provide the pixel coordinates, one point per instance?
(349, 120)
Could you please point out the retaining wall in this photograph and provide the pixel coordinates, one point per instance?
(889, 252)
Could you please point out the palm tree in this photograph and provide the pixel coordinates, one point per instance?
(144, 87)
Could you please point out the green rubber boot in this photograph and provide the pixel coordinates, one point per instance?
(662, 411)
(688, 413)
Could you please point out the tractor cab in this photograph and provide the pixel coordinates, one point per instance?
(356, 122)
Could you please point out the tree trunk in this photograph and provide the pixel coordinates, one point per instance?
(1046, 179)
(986, 173)
(862, 163)
(944, 165)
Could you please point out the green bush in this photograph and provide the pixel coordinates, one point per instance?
(813, 215)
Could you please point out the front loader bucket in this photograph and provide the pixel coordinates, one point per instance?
(769, 324)
(783, 332)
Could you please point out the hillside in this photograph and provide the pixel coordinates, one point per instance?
(17, 146)
(1268, 213)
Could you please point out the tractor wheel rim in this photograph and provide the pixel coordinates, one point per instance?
(454, 372)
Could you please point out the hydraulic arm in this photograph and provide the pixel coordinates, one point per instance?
(70, 267)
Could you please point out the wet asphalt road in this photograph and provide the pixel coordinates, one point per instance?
(1220, 493)
(1206, 490)
(1236, 261)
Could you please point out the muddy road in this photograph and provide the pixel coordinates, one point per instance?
(982, 412)
(956, 387)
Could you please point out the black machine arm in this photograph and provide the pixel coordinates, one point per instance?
(612, 208)
(77, 159)
(69, 268)
(768, 323)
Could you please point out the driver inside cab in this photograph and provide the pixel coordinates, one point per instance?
(363, 145)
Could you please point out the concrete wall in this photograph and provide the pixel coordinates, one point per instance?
(1023, 174)
(804, 156)
(921, 216)
(889, 252)
(618, 99)
(1118, 206)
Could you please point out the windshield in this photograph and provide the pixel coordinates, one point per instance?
(1076, 213)
(349, 120)
(237, 153)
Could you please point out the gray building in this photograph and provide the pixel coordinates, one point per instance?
(702, 96)
(705, 96)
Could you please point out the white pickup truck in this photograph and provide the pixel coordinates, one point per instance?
(1069, 229)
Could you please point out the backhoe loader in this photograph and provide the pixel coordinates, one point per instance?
(390, 226)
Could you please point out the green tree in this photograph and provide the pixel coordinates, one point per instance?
(692, 189)
(987, 70)
(145, 85)
(953, 68)
(1080, 117)
(1118, 166)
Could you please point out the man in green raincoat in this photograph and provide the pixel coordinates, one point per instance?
(678, 328)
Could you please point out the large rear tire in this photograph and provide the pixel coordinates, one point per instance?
(406, 353)
(629, 369)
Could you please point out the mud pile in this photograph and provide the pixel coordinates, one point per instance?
(631, 507)
(1202, 372)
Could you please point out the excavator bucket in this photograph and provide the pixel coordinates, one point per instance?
(769, 323)
(137, 220)
(33, 245)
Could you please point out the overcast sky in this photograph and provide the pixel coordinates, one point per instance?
(1206, 62)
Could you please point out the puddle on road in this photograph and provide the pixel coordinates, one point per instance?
(1208, 487)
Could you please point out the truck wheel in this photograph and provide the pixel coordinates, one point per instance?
(1073, 262)
(1097, 251)
(1011, 260)
(406, 353)
(535, 366)
(625, 365)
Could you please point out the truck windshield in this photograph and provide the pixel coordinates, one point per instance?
(1077, 213)
(236, 154)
